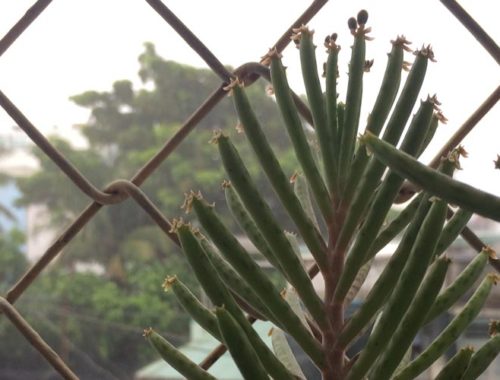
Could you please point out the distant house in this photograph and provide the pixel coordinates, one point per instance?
(15, 162)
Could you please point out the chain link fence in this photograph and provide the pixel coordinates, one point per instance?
(122, 189)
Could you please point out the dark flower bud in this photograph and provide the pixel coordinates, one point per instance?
(352, 24)
(362, 17)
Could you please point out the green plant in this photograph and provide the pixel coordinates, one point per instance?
(342, 227)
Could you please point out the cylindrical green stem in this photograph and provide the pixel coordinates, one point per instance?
(353, 107)
(395, 127)
(235, 282)
(383, 201)
(199, 312)
(297, 135)
(411, 277)
(272, 232)
(412, 321)
(453, 191)
(278, 179)
(317, 104)
(220, 296)
(241, 350)
(331, 99)
(450, 333)
(247, 224)
(386, 282)
(254, 276)
(301, 189)
(380, 112)
(395, 226)
(461, 284)
(483, 358)
(457, 365)
(175, 358)
(452, 229)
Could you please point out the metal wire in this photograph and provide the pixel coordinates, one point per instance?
(23, 23)
(474, 28)
(122, 189)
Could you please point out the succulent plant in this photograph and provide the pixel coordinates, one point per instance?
(338, 204)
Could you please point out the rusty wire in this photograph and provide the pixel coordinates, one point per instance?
(36, 341)
(22, 24)
(474, 28)
(121, 189)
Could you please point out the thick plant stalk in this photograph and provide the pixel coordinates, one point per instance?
(451, 332)
(203, 268)
(340, 123)
(453, 191)
(438, 117)
(176, 358)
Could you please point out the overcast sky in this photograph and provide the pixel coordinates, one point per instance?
(78, 45)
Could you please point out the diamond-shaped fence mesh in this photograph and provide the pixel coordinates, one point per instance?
(121, 189)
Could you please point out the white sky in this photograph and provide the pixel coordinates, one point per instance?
(78, 45)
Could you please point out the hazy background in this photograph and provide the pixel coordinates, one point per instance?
(79, 45)
(92, 303)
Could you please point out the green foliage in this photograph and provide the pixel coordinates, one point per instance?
(353, 199)
(12, 261)
(94, 323)
(127, 126)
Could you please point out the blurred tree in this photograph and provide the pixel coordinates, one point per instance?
(101, 314)
(12, 260)
(126, 128)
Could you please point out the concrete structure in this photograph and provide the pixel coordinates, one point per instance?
(16, 161)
